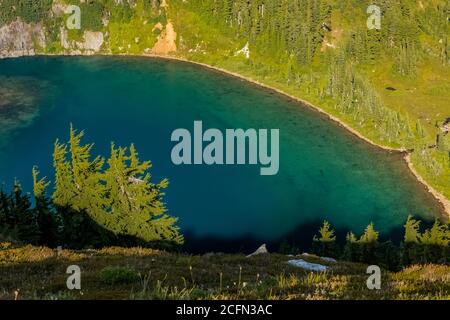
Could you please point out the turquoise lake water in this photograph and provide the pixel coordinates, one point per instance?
(325, 172)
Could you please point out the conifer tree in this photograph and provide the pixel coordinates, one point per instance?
(388, 255)
(135, 204)
(410, 249)
(369, 245)
(86, 173)
(102, 204)
(437, 235)
(5, 217)
(351, 249)
(370, 235)
(325, 243)
(412, 232)
(78, 194)
(47, 220)
(4, 208)
(64, 192)
(24, 220)
(435, 243)
(326, 233)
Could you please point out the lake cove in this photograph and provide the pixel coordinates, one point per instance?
(236, 141)
(324, 172)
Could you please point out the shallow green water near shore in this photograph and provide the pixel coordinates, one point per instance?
(325, 172)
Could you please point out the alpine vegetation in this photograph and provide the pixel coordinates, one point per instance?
(241, 147)
(121, 197)
(95, 202)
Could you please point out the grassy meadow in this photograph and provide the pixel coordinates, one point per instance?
(30, 272)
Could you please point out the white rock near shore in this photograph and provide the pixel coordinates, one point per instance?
(93, 41)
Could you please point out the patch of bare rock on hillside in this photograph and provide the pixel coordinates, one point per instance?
(19, 39)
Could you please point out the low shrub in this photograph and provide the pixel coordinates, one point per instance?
(118, 275)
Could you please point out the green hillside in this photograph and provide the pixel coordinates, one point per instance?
(389, 85)
(392, 85)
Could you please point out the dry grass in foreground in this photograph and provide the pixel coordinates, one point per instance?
(29, 272)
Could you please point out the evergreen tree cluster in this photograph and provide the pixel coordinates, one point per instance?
(429, 246)
(93, 12)
(95, 202)
(18, 220)
(286, 29)
(355, 97)
(324, 50)
(296, 28)
(29, 10)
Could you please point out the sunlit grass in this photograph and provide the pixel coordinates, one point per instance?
(40, 273)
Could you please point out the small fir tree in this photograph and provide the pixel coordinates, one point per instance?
(325, 243)
(47, 220)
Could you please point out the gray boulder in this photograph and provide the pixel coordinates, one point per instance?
(261, 250)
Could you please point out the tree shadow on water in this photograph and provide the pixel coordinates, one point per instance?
(296, 241)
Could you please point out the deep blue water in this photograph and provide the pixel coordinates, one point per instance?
(325, 172)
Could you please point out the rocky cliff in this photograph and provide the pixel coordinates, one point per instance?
(19, 38)
(128, 27)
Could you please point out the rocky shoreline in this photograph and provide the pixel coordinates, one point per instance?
(407, 154)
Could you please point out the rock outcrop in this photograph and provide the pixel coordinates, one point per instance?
(20, 39)
(93, 41)
(166, 42)
(261, 250)
(308, 265)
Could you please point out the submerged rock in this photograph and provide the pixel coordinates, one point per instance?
(307, 265)
(19, 101)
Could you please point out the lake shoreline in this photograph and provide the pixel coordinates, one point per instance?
(406, 154)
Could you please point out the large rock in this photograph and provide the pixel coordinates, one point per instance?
(307, 265)
(19, 39)
(328, 259)
(93, 41)
(261, 250)
(166, 42)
